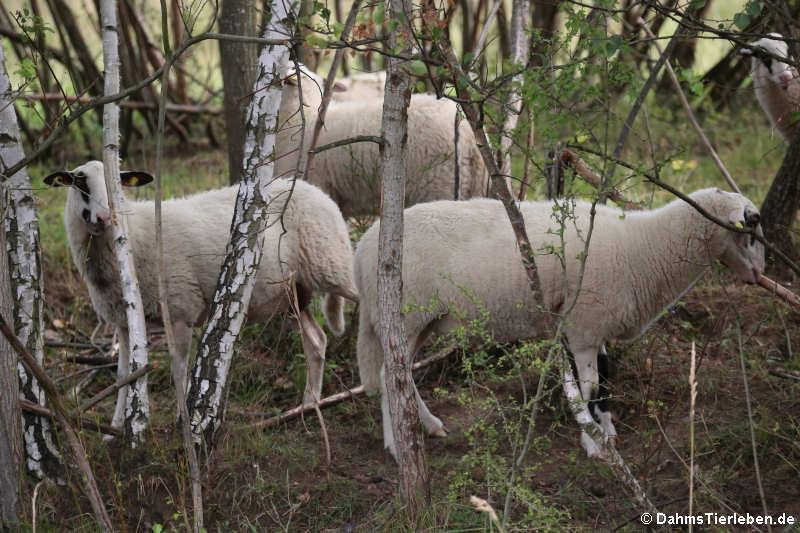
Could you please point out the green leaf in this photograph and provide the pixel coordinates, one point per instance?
(379, 15)
(315, 41)
(741, 20)
(468, 57)
(420, 86)
(753, 8)
(418, 68)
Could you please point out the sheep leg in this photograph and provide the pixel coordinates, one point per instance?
(123, 369)
(178, 362)
(599, 405)
(314, 344)
(586, 365)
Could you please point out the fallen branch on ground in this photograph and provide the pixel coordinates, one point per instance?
(569, 158)
(337, 398)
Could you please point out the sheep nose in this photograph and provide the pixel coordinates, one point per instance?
(785, 78)
(104, 216)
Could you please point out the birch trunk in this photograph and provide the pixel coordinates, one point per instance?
(414, 485)
(10, 426)
(137, 407)
(21, 229)
(245, 247)
(519, 50)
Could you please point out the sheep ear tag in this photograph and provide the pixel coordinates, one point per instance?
(134, 178)
(57, 179)
(736, 217)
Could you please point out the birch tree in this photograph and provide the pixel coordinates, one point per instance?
(414, 485)
(245, 247)
(10, 422)
(21, 229)
(519, 49)
(137, 406)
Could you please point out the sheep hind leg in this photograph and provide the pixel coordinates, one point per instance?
(123, 369)
(314, 344)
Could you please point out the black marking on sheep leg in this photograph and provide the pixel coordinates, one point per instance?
(599, 403)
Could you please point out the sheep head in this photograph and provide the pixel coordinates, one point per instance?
(743, 254)
(87, 197)
(767, 54)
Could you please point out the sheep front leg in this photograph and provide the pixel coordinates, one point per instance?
(123, 369)
(314, 344)
(586, 364)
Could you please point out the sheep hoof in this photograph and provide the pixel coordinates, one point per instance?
(588, 444)
(440, 433)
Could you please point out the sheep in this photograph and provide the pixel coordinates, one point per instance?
(363, 87)
(349, 174)
(776, 85)
(639, 263)
(315, 249)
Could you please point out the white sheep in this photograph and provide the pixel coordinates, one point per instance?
(315, 249)
(362, 87)
(349, 174)
(775, 82)
(639, 263)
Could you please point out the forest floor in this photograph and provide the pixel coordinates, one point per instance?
(278, 479)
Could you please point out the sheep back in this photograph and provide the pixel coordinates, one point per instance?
(350, 174)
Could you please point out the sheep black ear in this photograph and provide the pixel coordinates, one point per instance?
(134, 178)
(57, 179)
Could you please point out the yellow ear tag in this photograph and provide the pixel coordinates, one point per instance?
(133, 181)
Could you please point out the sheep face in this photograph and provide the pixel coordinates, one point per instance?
(743, 254)
(87, 198)
(765, 63)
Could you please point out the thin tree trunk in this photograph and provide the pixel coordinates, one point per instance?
(414, 484)
(239, 63)
(10, 426)
(137, 408)
(519, 57)
(75, 33)
(243, 253)
(21, 229)
(176, 20)
(780, 206)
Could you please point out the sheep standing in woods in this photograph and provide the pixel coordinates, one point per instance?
(350, 173)
(315, 250)
(775, 82)
(638, 264)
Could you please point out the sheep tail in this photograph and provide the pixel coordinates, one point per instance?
(333, 311)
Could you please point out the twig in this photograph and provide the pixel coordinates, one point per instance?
(338, 397)
(111, 389)
(345, 142)
(93, 360)
(594, 179)
(327, 92)
(61, 415)
(175, 108)
(785, 375)
(692, 119)
(751, 423)
(40, 410)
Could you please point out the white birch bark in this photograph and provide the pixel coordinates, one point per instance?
(245, 247)
(519, 57)
(137, 407)
(402, 402)
(21, 228)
